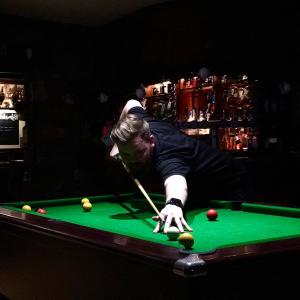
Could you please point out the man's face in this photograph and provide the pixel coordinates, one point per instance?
(138, 150)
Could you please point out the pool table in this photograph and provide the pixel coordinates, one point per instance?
(112, 253)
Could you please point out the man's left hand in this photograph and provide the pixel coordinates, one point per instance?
(171, 214)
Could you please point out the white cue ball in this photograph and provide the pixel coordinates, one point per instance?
(173, 233)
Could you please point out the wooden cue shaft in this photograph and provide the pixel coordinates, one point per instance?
(143, 191)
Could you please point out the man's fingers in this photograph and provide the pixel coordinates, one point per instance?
(158, 226)
(168, 223)
(155, 218)
(183, 221)
(178, 223)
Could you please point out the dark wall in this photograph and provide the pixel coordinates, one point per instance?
(46, 50)
(66, 67)
(63, 119)
(179, 37)
(176, 38)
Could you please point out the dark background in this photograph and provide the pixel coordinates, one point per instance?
(67, 67)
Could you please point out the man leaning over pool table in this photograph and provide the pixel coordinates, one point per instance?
(183, 162)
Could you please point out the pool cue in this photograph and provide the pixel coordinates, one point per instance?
(142, 190)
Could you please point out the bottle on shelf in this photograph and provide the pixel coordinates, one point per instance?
(194, 81)
(201, 116)
(2, 95)
(192, 115)
(213, 103)
(181, 84)
(162, 89)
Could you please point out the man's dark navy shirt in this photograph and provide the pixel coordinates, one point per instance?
(175, 153)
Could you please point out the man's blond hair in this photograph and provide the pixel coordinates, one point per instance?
(128, 128)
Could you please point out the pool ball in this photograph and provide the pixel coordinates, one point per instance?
(187, 240)
(85, 200)
(173, 233)
(87, 206)
(212, 214)
(26, 207)
(41, 211)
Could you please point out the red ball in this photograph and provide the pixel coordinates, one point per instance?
(41, 211)
(212, 214)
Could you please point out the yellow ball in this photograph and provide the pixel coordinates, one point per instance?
(187, 240)
(26, 207)
(85, 200)
(87, 206)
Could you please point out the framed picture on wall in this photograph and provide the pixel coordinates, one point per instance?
(11, 100)
(11, 93)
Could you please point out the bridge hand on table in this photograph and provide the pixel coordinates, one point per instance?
(171, 214)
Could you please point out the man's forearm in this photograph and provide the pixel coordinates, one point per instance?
(176, 187)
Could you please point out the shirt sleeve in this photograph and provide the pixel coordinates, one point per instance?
(172, 166)
(140, 112)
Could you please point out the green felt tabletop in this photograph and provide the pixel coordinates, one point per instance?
(132, 217)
